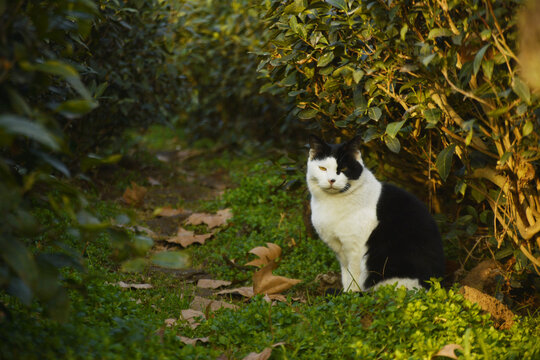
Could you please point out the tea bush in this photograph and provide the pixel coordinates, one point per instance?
(58, 61)
(434, 88)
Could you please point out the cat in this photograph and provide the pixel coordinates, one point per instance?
(381, 234)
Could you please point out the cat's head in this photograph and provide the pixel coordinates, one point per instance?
(334, 168)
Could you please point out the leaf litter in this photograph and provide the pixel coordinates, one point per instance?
(168, 211)
(124, 285)
(264, 281)
(212, 284)
(134, 194)
(212, 220)
(186, 237)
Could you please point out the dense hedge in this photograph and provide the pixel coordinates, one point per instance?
(436, 82)
(73, 74)
(215, 48)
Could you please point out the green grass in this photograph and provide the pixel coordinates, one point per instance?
(107, 322)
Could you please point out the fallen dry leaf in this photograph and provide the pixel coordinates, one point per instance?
(263, 355)
(153, 182)
(246, 291)
(124, 285)
(212, 220)
(193, 342)
(448, 351)
(167, 211)
(265, 254)
(134, 194)
(264, 282)
(170, 322)
(185, 237)
(504, 317)
(212, 284)
(201, 304)
(191, 317)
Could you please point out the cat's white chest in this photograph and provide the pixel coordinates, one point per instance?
(345, 223)
(345, 220)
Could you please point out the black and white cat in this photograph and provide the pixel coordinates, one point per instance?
(380, 233)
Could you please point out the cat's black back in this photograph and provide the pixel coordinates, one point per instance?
(406, 242)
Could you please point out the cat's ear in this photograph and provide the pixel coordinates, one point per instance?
(316, 146)
(353, 146)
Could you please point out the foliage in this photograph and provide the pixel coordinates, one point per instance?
(127, 63)
(39, 85)
(49, 50)
(438, 83)
(388, 324)
(215, 48)
(107, 322)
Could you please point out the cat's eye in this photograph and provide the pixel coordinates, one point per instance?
(322, 168)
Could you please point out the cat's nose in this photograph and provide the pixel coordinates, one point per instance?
(331, 181)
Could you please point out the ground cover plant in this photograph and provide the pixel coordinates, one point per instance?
(108, 321)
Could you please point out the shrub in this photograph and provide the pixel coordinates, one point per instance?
(48, 51)
(215, 49)
(438, 83)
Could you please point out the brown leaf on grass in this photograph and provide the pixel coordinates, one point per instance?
(170, 322)
(185, 237)
(193, 342)
(264, 282)
(212, 220)
(246, 291)
(202, 304)
(503, 316)
(167, 211)
(212, 284)
(134, 194)
(265, 254)
(263, 355)
(448, 351)
(124, 285)
(191, 316)
(154, 182)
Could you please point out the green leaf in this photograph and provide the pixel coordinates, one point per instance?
(393, 144)
(340, 4)
(307, 114)
(427, 59)
(325, 59)
(18, 125)
(58, 68)
(17, 256)
(134, 265)
(171, 259)
(358, 75)
(432, 116)
(293, 23)
(444, 161)
(403, 31)
(393, 128)
(142, 244)
(439, 32)
(527, 128)
(375, 113)
(487, 68)
(478, 58)
(505, 157)
(76, 108)
(521, 90)
(53, 67)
